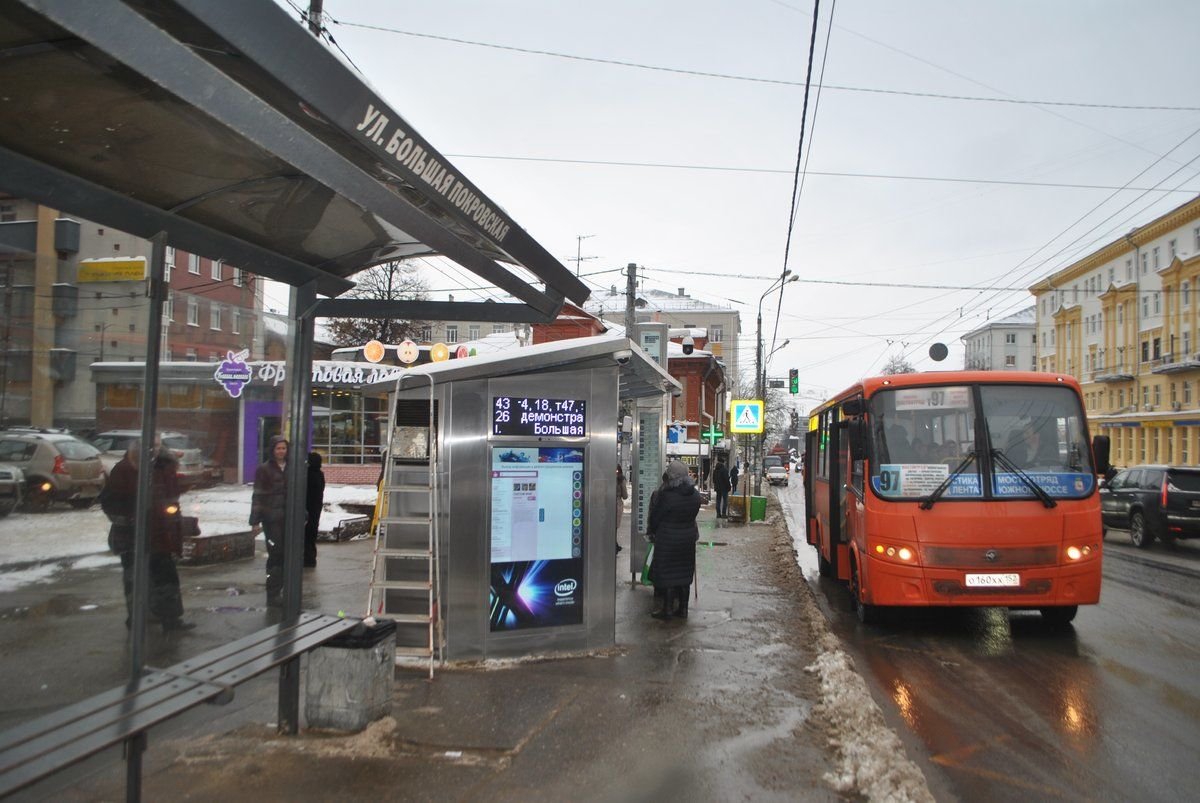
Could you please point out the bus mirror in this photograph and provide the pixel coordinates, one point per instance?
(856, 430)
(1101, 451)
(853, 407)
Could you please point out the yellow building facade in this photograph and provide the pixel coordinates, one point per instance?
(1124, 322)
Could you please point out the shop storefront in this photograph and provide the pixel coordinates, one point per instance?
(234, 431)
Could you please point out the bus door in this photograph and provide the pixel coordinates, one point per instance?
(851, 510)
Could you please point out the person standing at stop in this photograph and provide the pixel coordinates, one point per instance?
(268, 509)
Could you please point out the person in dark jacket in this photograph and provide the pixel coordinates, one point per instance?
(673, 523)
(118, 500)
(268, 507)
(313, 503)
(733, 479)
(721, 486)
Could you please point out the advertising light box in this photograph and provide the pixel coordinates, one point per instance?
(536, 537)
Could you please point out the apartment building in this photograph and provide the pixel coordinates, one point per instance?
(1123, 321)
(1005, 344)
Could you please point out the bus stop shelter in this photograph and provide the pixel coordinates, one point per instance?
(227, 130)
(522, 467)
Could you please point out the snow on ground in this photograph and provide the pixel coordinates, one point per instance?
(870, 756)
(63, 533)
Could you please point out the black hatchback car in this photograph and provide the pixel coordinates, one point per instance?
(1153, 502)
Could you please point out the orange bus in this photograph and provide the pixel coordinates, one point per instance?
(971, 488)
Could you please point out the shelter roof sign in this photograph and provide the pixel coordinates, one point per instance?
(232, 129)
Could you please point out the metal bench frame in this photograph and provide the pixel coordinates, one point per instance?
(36, 750)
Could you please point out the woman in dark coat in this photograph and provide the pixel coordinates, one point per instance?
(313, 503)
(673, 523)
(268, 508)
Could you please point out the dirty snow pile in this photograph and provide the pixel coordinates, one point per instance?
(871, 758)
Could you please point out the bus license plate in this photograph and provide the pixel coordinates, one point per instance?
(1001, 580)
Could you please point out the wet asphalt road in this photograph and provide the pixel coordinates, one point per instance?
(1000, 707)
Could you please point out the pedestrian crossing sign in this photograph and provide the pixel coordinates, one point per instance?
(746, 416)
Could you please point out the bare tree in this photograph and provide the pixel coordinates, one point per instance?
(897, 364)
(391, 281)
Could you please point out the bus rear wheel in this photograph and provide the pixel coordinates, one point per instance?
(1059, 616)
(867, 614)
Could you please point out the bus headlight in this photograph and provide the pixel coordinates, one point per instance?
(897, 553)
(1077, 553)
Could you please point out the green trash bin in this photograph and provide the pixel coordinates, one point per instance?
(758, 508)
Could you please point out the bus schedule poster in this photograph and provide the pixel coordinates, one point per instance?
(536, 537)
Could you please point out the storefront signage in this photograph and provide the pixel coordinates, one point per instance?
(112, 270)
(234, 374)
(527, 416)
(373, 351)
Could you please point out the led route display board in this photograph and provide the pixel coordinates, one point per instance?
(527, 416)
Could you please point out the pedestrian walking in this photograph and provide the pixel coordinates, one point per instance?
(721, 487)
(314, 503)
(118, 500)
(622, 495)
(268, 508)
(733, 479)
(673, 523)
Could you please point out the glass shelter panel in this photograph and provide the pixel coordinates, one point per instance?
(72, 388)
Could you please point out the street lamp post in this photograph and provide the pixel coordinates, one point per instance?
(759, 378)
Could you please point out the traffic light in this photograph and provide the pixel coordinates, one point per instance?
(794, 380)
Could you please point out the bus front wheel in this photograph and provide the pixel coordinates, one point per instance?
(867, 614)
(1059, 616)
(824, 567)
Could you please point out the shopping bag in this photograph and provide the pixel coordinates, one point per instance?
(646, 566)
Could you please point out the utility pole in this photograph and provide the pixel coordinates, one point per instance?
(630, 297)
(314, 16)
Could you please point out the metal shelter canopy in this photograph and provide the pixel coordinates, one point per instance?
(640, 376)
(232, 129)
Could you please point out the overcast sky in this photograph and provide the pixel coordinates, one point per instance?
(690, 176)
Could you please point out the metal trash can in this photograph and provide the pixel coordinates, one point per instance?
(350, 678)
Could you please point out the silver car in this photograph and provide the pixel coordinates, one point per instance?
(12, 484)
(57, 467)
(191, 470)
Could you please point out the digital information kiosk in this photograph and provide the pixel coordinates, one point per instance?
(537, 515)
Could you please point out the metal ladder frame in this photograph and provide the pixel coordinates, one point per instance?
(436, 632)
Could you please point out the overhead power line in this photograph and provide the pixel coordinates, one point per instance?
(758, 80)
(827, 173)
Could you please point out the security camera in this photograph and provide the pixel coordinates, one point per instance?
(622, 357)
(689, 345)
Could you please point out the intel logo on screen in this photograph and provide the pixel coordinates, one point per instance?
(565, 588)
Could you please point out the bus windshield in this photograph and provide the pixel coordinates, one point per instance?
(925, 437)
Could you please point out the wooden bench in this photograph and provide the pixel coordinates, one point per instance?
(36, 750)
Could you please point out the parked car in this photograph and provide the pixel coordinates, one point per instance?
(56, 467)
(777, 474)
(191, 471)
(12, 483)
(1153, 502)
